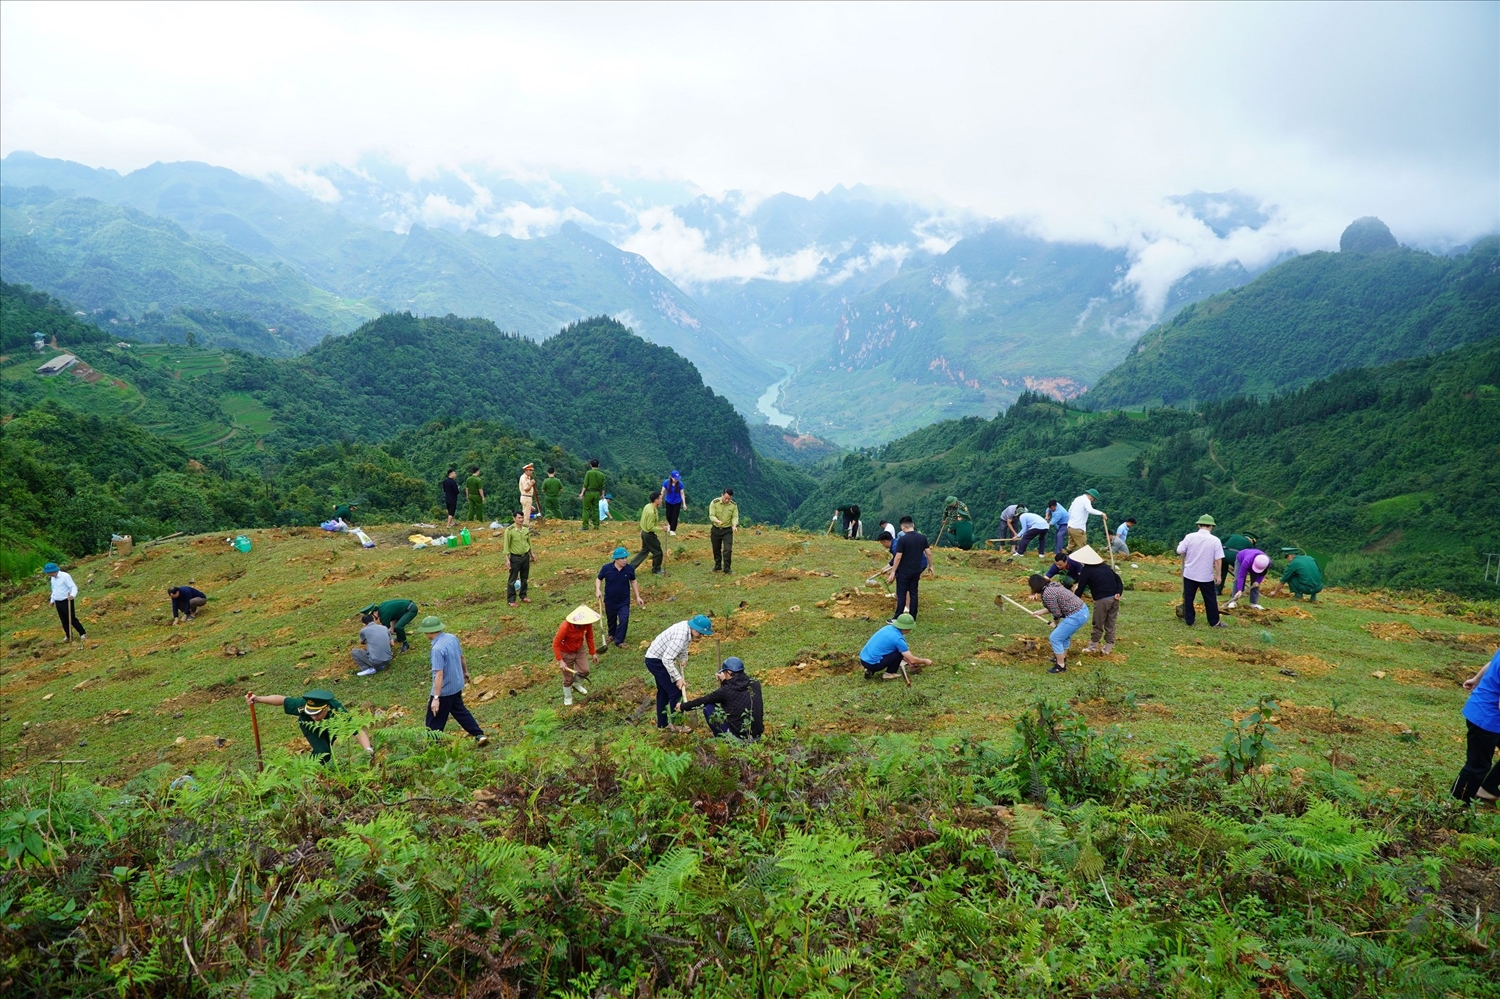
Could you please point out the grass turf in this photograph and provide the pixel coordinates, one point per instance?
(1367, 683)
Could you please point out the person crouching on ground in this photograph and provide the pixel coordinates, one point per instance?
(666, 659)
(312, 710)
(735, 708)
(448, 683)
(186, 600)
(1120, 543)
(1302, 577)
(576, 630)
(1069, 613)
(1479, 779)
(886, 651)
(373, 653)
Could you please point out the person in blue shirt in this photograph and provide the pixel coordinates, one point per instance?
(1031, 525)
(1118, 544)
(886, 650)
(673, 499)
(1480, 777)
(448, 676)
(612, 589)
(1057, 519)
(186, 600)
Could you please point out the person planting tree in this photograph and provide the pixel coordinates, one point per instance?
(1302, 577)
(735, 708)
(666, 660)
(395, 615)
(186, 601)
(1480, 776)
(576, 631)
(1069, 613)
(312, 711)
(1250, 566)
(886, 653)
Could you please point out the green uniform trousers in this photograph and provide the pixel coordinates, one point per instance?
(476, 509)
(591, 510)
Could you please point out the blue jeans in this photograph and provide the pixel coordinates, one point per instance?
(1062, 635)
(668, 694)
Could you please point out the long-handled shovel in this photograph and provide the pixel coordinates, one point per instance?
(1108, 541)
(1023, 608)
(260, 764)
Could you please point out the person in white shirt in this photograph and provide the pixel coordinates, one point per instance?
(64, 592)
(1078, 519)
(1202, 553)
(666, 658)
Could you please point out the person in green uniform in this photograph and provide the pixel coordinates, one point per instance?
(552, 488)
(960, 530)
(516, 544)
(312, 711)
(724, 520)
(1302, 577)
(475, 488)
(650, 542)
(345, 512)
(593, 489)
(395, 615)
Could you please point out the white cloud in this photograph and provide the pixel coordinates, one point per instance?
(956, 284)
(877, 254)
(681, 253)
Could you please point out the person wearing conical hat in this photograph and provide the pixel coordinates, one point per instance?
(312, 711)
(576, 631)
(1202, 555)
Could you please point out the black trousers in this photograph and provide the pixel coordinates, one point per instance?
(906, 592)
(1039, 533)
(889, 663)
(650, 545)
(617, 621)
(668, 694)
(1478, 771)
(1190, 589)
(68, 615)
(722, 539)
(452, 705)
(673, 511)
(520, 571)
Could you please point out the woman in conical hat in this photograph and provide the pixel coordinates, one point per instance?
(576, 631)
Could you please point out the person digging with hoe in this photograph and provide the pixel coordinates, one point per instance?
(448, 677)
(186, 600)
(886, 654)
(1479, 778)
(312, 711)
(64, 593)
(734, 709)
(576, 630)
(666, 658)
(613, 587)
(1069, 613)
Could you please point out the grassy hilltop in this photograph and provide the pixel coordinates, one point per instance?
(991, 831)
(797, 611)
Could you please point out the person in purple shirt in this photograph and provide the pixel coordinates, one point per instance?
(1480, 777)
(1250, 563)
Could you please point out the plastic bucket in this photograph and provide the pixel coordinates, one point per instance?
(453, 542)
(242, 543)
(463, 537)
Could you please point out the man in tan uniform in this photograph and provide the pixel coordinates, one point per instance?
(527, 487)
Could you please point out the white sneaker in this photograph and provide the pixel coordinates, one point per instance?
(1256, 607)
(567, 696)
(1231, 605)
(580, 687)
(367, 671)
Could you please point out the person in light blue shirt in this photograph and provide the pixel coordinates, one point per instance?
(1057, 519)
(1117, 544)
(1480, 777)
(448, 682)
(1031, 525)
(886, 650)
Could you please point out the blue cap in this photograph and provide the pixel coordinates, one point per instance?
(49, 567)
(620, 553)
(732, 665)
(675, 474)
(701, 624)
(609, 495)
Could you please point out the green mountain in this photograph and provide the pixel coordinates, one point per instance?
(999, 314)
(1311, 317)
(1393, 471)
(218, 439)
(194, 243)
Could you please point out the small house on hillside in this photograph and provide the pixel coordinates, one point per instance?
(59, 364)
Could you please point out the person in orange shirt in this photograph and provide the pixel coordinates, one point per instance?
(576, 631)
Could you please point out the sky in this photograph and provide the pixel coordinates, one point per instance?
(1081, 118)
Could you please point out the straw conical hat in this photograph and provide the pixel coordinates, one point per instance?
(583, 615)
(1087, 556)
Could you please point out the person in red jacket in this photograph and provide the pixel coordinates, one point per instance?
(576, 631)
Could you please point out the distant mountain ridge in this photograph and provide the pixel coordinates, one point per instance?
(1311, 317)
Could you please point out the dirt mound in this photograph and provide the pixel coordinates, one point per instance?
(742, 624)
(808, 665)
(767, 576)
(1155, 586)
(1022, 647)
(1393, 631)
(1311, 718)
(857, 605)
(1478, 643)
(1293, 666)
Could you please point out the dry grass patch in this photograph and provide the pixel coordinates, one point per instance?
(857, 605)
(808, 665)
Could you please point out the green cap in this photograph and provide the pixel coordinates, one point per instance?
(1206, 521)
(430, 625)
(368, 610)
(905, 622)
(951, 500)
(1093, 492)
(316, 700)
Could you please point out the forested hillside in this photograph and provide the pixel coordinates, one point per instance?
(197, 440)
(1308, 318)
(1394, 471)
